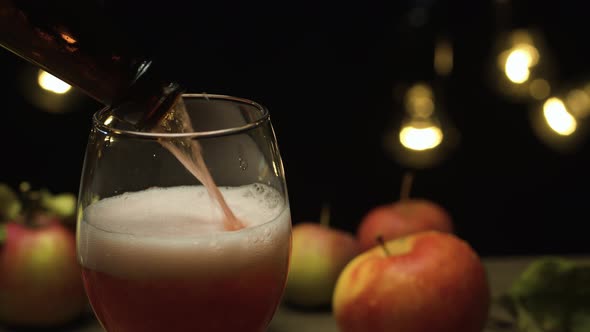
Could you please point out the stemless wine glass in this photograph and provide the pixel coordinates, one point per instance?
(157, 250)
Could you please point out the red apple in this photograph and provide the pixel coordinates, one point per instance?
(428, 281)
(318, 255)
(40, 282)
(402, 218)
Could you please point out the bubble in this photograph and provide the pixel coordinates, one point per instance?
(179, 244)
(243, 164)
(272, 200)
(267, 234)
(248, 194)
(258, 188)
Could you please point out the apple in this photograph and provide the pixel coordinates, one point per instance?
(318, 255)
(427, 281)
(401, 218)
(40, 280)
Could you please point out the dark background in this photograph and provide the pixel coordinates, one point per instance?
(330, 73)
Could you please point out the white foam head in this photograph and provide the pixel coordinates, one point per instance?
(175, 231)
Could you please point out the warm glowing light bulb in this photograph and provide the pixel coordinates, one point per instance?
(517, 66)
(443, 58)
(52, 83)
(578, 103)
(420, 138)
(519, 61)
(558, 118)
(420, 101)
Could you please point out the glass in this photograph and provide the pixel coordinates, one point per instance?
(154, 252)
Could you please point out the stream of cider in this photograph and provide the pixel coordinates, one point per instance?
(188, 153)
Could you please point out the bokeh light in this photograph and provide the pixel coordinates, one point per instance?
(420, 136)
(443, 58)
(51, 83)
(419, 101)
(47, 92)
(520, 59)
(524, 70)
(539, 89)
(578, 103)
(558, 118)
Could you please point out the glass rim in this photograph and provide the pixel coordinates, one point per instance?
(264, 116)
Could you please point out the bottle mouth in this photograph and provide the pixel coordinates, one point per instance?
(212, 115)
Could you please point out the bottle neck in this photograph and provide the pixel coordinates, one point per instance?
(79, 42)
(150, 95)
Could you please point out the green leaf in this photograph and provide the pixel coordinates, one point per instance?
(10, 205)
(526, 321)
(551, 295)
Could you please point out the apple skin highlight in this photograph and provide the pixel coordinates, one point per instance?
(428, 281)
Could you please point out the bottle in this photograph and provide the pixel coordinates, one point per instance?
(79, 42)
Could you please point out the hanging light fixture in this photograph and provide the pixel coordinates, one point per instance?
(47, 92)
(523, 67)
(422, 136)
(561, 120)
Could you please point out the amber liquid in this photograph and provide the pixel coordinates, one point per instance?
(176, 269)
(242, 301)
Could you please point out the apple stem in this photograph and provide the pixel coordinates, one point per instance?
(382, 244)
(406, 185)
(325, 215)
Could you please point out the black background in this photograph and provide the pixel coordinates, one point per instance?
(328, 72)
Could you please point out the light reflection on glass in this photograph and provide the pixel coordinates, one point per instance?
(68, 38)
(108, 120)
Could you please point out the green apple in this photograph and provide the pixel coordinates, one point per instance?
(319, 253)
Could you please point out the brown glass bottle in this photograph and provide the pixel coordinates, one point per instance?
(78, 42)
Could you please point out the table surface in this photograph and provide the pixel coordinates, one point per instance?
(501, 273)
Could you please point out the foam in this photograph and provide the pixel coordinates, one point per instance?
(166, 232)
